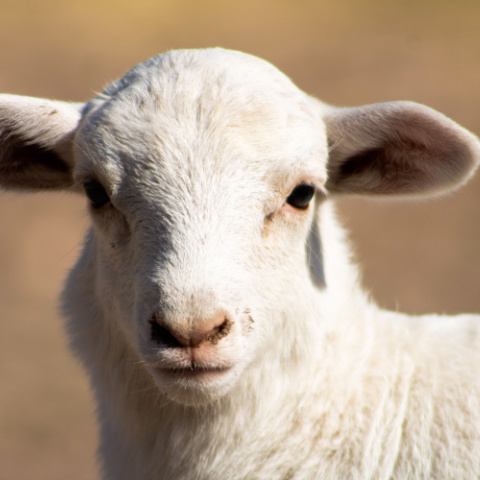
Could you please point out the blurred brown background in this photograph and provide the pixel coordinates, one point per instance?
(417, 257)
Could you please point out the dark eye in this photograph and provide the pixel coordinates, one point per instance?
(96, 193)
(301, 196)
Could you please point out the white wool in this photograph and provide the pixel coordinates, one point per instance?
(221, 321)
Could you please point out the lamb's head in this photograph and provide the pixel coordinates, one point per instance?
(187, 163)
(205, 173)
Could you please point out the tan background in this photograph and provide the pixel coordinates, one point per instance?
(417, 257)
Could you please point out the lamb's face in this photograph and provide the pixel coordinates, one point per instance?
(201, 202)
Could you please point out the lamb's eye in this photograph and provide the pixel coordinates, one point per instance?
(301, 196)
(96, 193)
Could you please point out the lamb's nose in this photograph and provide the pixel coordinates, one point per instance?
(211, 330)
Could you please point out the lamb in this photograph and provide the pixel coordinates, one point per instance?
(210, 180)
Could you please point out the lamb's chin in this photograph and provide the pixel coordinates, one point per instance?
(194, 387)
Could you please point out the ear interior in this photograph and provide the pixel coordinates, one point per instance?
(398, 148)
(36, 138)
(30, 166)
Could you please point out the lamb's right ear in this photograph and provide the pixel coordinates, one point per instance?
(36, 137)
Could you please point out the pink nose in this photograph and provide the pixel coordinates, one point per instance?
(210, 330)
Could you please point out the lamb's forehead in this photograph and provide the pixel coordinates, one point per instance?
(216, 103)
(208, 74)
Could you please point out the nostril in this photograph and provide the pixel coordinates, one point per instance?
(162, 336)
(220, 331)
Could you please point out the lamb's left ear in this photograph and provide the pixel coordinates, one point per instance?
(36, 138)
(397, 148)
